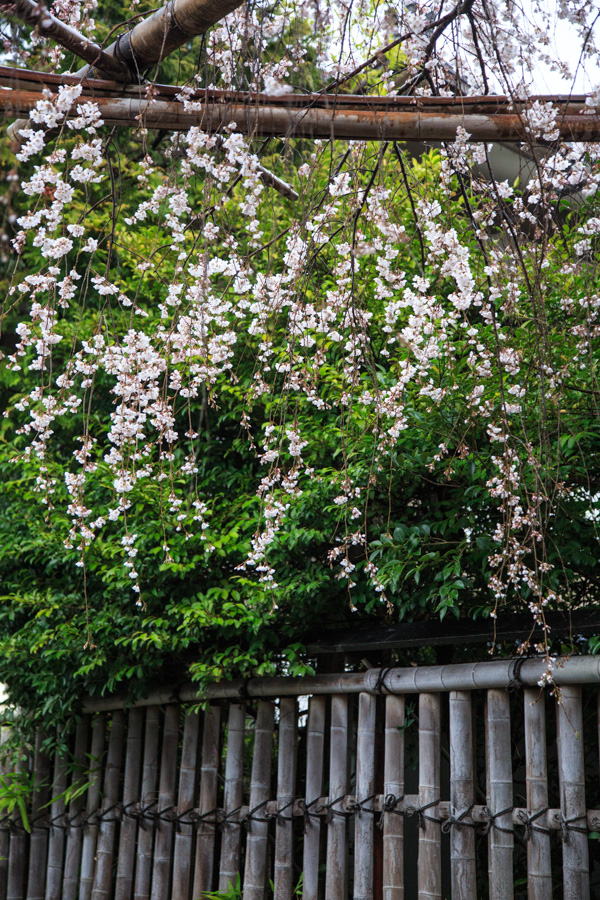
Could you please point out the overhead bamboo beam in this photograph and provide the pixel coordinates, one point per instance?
(38, 16)
(344, 123)
(465, 676)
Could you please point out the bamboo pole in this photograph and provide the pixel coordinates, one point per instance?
(38, 840)
(365, 789)
(571, 772)
(393, 789)
(163, 845)
(500, 795)
(38, 16)
(462, 836)
(430, 846)
(232, 799)
(315, 737)
(4, 820)
(336, 877)
(143, 870)
(260, 787)
(412, 680)
(286, 780)
(337, 124)
(182, 854)
(107, 828)
(76, 812)
(90, 834)
(56, 840)
(131, 787)
(539, 867)
(17, 855)
(207, 829)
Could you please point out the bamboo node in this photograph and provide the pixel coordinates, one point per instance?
(491, 820)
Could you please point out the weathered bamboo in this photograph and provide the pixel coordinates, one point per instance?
(393, 791)
(131, 788)
(107, 828)
(336, 875)
(539, 867)
(207, 829)
(315, 737)
(286, 779)
(143, 870)
(232, 799)
(182, 854)
(56, 840)
(500, 795)
(260, 785)
(430, 846)
(462, 836)
(365, 789)
(38, 16)
(412, 680)
(38, 840)
(163, 845)
(4, 821)
(90, 835)
(339, 124)
(571, 773)
(17, 854)
(76, 812)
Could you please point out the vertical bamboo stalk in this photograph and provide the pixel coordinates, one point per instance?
(76, 811)
(232, 800)
(314, 782)
(90, 834)
(182, 855)
(17, 854)
(56, 840)
(462, 836)
(143, 871)
(131, 781)
(163, 845)
(393, 789)
(336, 877)
(207, 829)
(365, 788)
(260, 786)
(38, 841)
(539, 868)
(500, 795)
(107, 829)
(286, 778)
(572, 794)
(430, 846)
(4, 826)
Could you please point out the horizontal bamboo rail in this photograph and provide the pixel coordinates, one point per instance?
(502, 673)
(344, 123)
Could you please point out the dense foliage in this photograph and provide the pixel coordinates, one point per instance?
(231, 416)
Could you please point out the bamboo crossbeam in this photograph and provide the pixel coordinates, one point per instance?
(465, 676)
(346, 123)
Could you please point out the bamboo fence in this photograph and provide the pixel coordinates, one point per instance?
(277, 778)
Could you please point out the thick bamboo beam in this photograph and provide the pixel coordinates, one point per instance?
(76, 812)
(56, 842)
(341, 124)
(464, 677)
(462, 791)
(38, 841)
(38, 16)
(90, 834)
(365, 789)
(131, 786)
(107, 829)
(163, 845)
(184, 837)
(336, 875)
(260, 786)
(143, 867)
